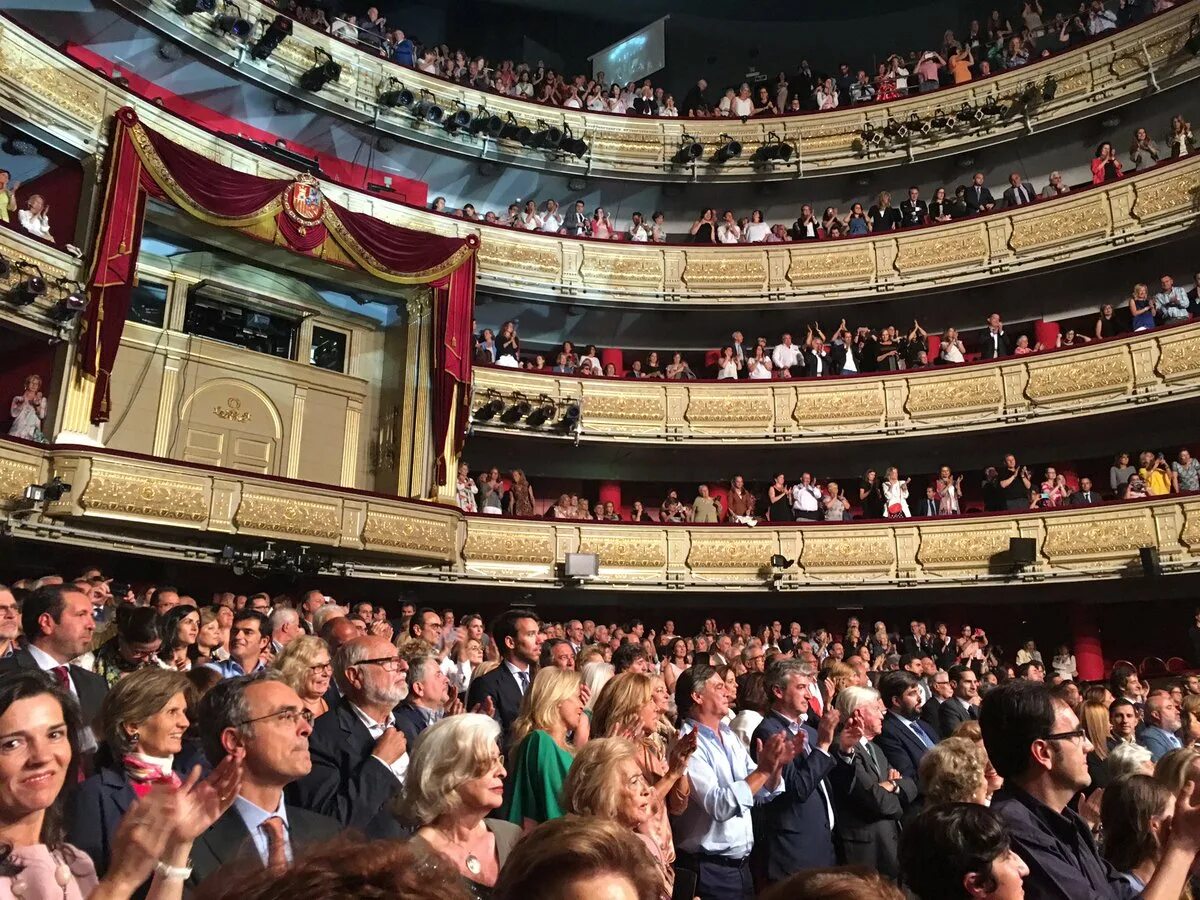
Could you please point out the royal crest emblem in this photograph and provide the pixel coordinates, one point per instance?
(303, 200)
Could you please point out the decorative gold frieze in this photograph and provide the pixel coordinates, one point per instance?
(1079, 376)
(1190, 536)
(508, 544)
(852, 264)
(1060, 224)
(412, 536)
(232, 411)
(942, 252)
(947, 392)
(626, 551)
(138, 492)
(1179, 357)
(726, 550)
(745, 269)
(642, 406)
(837, 550)
(1075, 536)
(284, 514)
(856, 403)
(15, 476)
(949, 547)
(708, 406)
(1181, 191)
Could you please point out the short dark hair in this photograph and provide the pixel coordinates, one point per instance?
(505, 626)
(546, 657)
(894, 684)
(945, 844)
(957, 672)
(418, 619)
(691, 680)
(245, 614)
(907, 659)
(137, 624)
(626, 655)
(224, 706)
(1121, 701)
(49, 598)
(1011, 718)
(1023, 669)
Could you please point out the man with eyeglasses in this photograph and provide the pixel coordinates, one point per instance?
(10, 623)
(262, 720)
(1038, 748)
(359, 757)
(248, 639)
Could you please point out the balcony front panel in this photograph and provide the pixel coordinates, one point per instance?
(158, 507)
(1154, 367)
(77, 105)
(1106, 72)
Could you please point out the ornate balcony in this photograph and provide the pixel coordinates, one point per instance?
(27, 256)
(76, 104)
(174, 510)
(1110, 71)
(1150, 367)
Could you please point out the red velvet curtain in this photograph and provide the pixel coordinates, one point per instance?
(292, 213)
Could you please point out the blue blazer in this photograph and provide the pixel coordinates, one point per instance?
(411, 721)
(793, 828)
(902, 748)
(1157, 741)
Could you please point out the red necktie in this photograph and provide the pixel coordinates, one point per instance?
(276, 851)
(63, 675)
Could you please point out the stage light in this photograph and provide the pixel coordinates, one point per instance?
(32, 286)
(232, 23)
(512, 130)
(517, 410)
(427, 109)
(187, 7)
(484, 121)
(576, 147)
(993, 108)
(5, 267)
(547, 137)
(774, 149)
(74, 300)
(1049, 88)
(272, 37)
(460, 119)
(570, 417)
(542, 413)
(727, 151)
(321, 74)
(489, 410)
(689, 150)
(779, 561)
(397, 95)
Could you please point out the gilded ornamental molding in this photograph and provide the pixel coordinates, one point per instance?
(1117, 217)
(175, 510)
(1158, 366)
(1105, 73)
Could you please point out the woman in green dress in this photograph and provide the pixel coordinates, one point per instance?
(542, 754)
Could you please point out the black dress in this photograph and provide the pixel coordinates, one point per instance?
(781, 509)
(704, 234)
(872, 504)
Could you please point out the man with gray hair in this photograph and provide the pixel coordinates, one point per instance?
(285, 627)
(263, 720)
(359, 757)
(796, 826)
(428, 697)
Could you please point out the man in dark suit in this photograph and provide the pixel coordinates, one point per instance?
(359, 757)
(943, 690)
(794, 830)
(1018, 194)
(914, 211)
(428, 693)
(516, 635)
(264, 719)
(1086, 495)
(994, 343)
(979, 198)
(790, 642)
(870, 796)
(58, 625)
(959, 708)
(905, 739)
(915, 643)
(942, 647)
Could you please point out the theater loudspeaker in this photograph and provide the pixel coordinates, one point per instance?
(581, 565)
(1022, 551)
(1151, 566)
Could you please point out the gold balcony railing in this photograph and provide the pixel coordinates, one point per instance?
(161, 508)
(76, 103)
(1105, 73)
(1149, 367)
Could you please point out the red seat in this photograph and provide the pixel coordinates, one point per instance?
(711, 358)
(1152, 666)
(1176, 665)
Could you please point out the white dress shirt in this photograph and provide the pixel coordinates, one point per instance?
(400, 767)
(806, 497)
(784, 356)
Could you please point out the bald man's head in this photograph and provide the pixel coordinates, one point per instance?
(338, 631)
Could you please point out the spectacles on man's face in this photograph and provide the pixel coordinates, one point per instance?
(9, 609)
(1078, 735)
(288, 716)
(387, 663)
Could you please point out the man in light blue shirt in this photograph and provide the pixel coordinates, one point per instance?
(1172, 302)
(247, 640)
(1162, 722)
(714, 834)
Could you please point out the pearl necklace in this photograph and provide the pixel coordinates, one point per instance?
(63, 877)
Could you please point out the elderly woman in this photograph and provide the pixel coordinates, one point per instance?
(541, 754)
(606, 781)
(953, 772)
(627, 707)
(1177, 768)
(306, 665)
(1129, 759)
(179, 630)
(143, 720)
(455, 779)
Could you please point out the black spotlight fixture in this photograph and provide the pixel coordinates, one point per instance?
(5, 267)
(774, 150)
(542, 413)
(689, 150)
(516, 411)
(489, 410)
(893, 128)
(939, 119)
(871, 136)
(29, 288)
(570, 417)
(73, 301)
(547, 136)
(512, 130)
(576, 147)
(427, 109)
(727, 151)
(779, 561)
(484, 121)
(396, 95)
(188, 7)
(1049, 88)
(459, 120)
(322, 73)
(272, 36)
(232, 23)
(993, 108)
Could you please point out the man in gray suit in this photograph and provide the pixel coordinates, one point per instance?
(961, 707)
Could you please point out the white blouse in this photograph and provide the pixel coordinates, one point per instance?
(894, 493)
(756, 232)
(728, 369)
(38, 226)
(760, 369)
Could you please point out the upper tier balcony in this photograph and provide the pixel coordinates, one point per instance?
(1109, 71)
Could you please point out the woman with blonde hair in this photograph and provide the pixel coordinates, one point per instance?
(455, 779)
(1095, 720)
(627, 708)
(466, 656)
(596, 675)
(306, 666)
(953, 772)
(210, 641)
(606, 781)
(1177, 768)
(541, 754)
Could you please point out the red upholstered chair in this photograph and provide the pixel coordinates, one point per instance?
(1176, 665)
(1046, 334)
(935, 346)
(1152, 667)
(711, 358)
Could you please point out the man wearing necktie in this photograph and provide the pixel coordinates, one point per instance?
(1018, 194)
(795, 828)
(904, 738)
(516, 636)
(960, 707)
(929, 506)
(1085, 496)
(870, 797)
(979, 198)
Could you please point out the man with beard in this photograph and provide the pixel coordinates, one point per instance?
(516, 635)
(905, 739)
(359, 757)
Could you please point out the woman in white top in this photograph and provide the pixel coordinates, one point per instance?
(949, 491)
(728, 365)
(36, 218)
(614, 103)
(1063, 663)
(658, 231)
(759, 365)
(952, 347)
(524, 87)
(669, 109)
(572, 101)
(743, 105)
(552, 222)
(530, 220)
(900, 73)
(728, 231)
(756, 232)
(827, 95)
(595, 99)
(590, 356)
(725, 107)
(895, 495)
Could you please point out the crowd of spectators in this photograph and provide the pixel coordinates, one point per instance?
(983, 48)
(1009, 486)
(306, 748)
(33, 218)
(849, 351)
